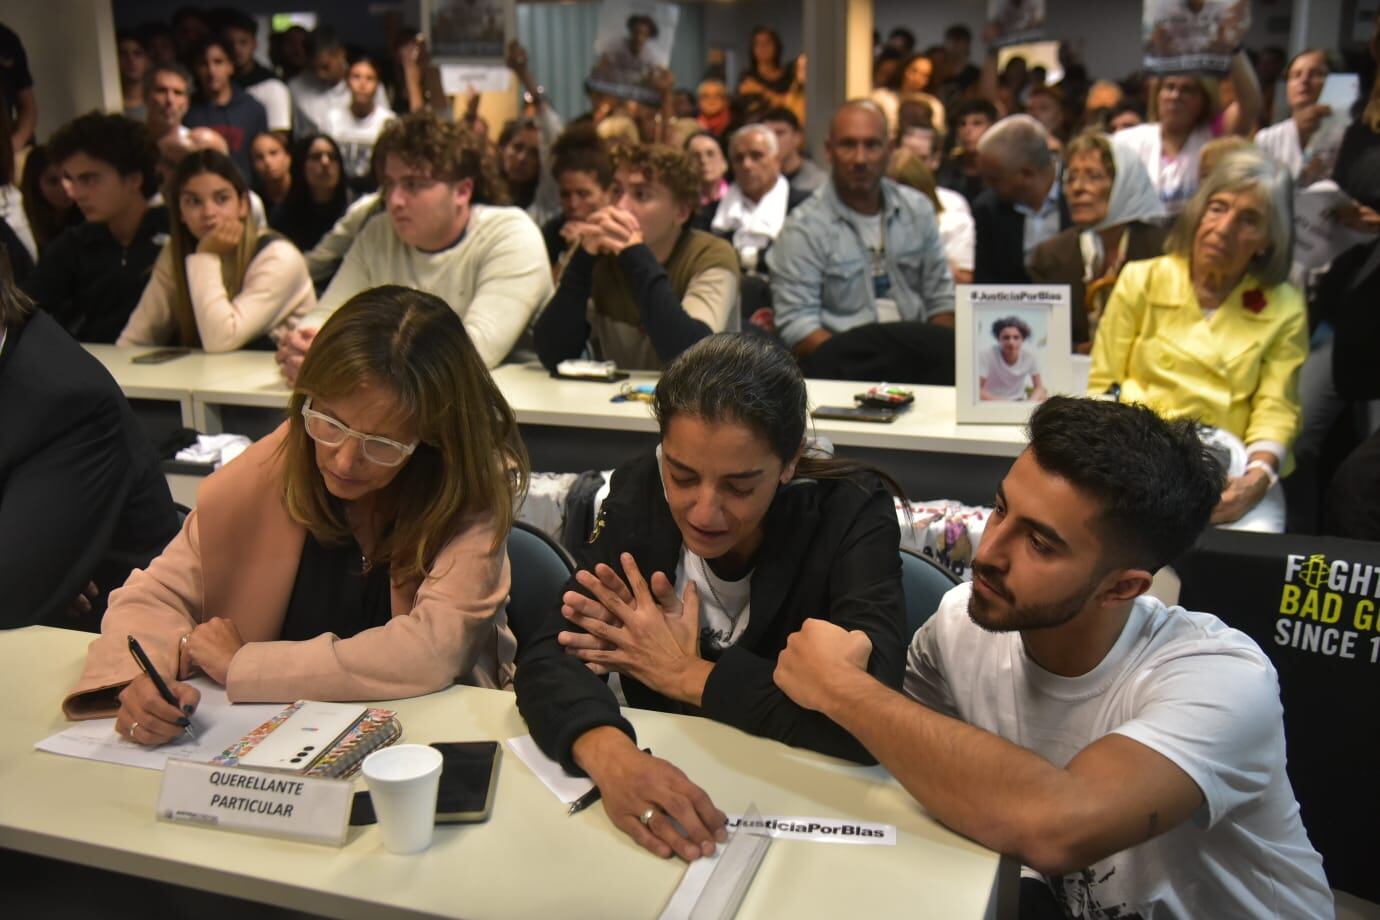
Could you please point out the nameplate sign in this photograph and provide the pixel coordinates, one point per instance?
(818, 830)
(308, 808)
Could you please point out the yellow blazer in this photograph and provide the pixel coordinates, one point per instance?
(1237, 370)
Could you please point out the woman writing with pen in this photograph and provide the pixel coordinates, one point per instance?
(357, 553)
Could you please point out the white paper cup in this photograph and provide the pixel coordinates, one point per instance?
(403, 781)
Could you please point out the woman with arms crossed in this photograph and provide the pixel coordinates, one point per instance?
(742, 535)
(357, 553)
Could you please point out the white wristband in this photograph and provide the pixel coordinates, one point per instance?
(1267, 469)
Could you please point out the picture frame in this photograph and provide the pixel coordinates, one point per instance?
(469, 31)
(997, 377)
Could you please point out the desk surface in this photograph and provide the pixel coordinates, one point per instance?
(102, 815)
(251, 379)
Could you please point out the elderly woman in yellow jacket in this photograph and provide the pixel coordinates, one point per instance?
(1213, 331)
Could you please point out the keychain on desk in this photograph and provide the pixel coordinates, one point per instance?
(641, 392)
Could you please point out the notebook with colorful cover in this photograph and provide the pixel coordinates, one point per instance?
(315, 739)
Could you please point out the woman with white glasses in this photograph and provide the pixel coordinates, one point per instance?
(357, 553)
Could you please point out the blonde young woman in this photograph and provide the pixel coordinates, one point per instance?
(357, 553)
(221, 283)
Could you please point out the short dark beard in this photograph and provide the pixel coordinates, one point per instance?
(1022, 617)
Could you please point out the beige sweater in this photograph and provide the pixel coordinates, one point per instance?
(495, 278)
(277, 293)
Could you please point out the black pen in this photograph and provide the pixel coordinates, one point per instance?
(147, 667)
(590, 797)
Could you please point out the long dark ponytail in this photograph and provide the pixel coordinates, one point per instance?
(757, 383)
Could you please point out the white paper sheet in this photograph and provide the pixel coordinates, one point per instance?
(563, 786)
(217, 722)
(463, 79)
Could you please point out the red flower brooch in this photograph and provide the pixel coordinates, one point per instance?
(1253, 300)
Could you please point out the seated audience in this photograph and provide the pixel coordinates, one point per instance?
(1185, 115)
(715, 115)
(956, 229)
(751, 212)
(442, 236)
(322, 86)
(48, 207)
(356, 127)
(325, 257)
(241, 34)
(224, 107)
(1213, 331)
(910, 82)
(318, 193)
(1129, 753)
(1115, 214)
(1287, 141)
(1045, 104)
(707, 554)
(83, 500)
(1352, 507)
(1125, 115)
(802, 173)
(91, 277)
(767, 76)
(1024, 203)
(583, 170)
(357, 552)
(862, 262)
(272, 161)
(1357, 170)
(704, 149)
(960, 170)
(134, 64)
(220, 284)
(642, 287)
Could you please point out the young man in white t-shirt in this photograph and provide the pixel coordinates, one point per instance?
(1009, 370)
(1131, 754)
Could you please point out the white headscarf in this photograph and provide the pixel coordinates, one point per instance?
(1133, 198)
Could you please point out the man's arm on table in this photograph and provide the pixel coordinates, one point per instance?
(981, 785)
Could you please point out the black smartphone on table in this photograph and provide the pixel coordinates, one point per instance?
(160, 356)
(855, 413)
(469, 776)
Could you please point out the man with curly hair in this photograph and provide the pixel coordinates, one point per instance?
(447, 232)
(642, 286)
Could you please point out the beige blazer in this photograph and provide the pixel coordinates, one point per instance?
(237, 557)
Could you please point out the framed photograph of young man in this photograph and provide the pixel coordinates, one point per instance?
(1014, 349)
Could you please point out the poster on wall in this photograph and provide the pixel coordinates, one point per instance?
(633, 46)
(1014, 349)
(1012, 21)
(1184, 36)
(469, 29)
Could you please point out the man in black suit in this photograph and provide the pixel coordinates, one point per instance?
(1023, 204)
(82, 499)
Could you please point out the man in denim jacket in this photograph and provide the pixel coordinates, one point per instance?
(862, 251)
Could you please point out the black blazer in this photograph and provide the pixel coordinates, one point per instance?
(831, 550)
(82, 497)
(999, 257)
(1346, 297)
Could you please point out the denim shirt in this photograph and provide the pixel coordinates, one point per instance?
(821, 269)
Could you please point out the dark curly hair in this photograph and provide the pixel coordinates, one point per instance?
(1155, 480)
(1012, 322)
(664, 165)
(581, 149)
(451, 152)
(123, 143)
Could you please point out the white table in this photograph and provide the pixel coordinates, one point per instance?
(529, 860)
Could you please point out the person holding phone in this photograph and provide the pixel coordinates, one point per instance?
(356, 553)
(708, 553)
(220, 284)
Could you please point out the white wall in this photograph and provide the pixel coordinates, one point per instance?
(71, 50)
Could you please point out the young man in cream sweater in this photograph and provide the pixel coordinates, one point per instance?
(487, 262)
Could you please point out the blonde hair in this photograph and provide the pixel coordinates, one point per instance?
(1217, 148)
(909, 170)
(1212, 99)
(471, 460)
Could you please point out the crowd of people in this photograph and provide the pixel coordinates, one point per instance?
(325, 203)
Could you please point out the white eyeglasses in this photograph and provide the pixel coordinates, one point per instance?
(323, 429)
